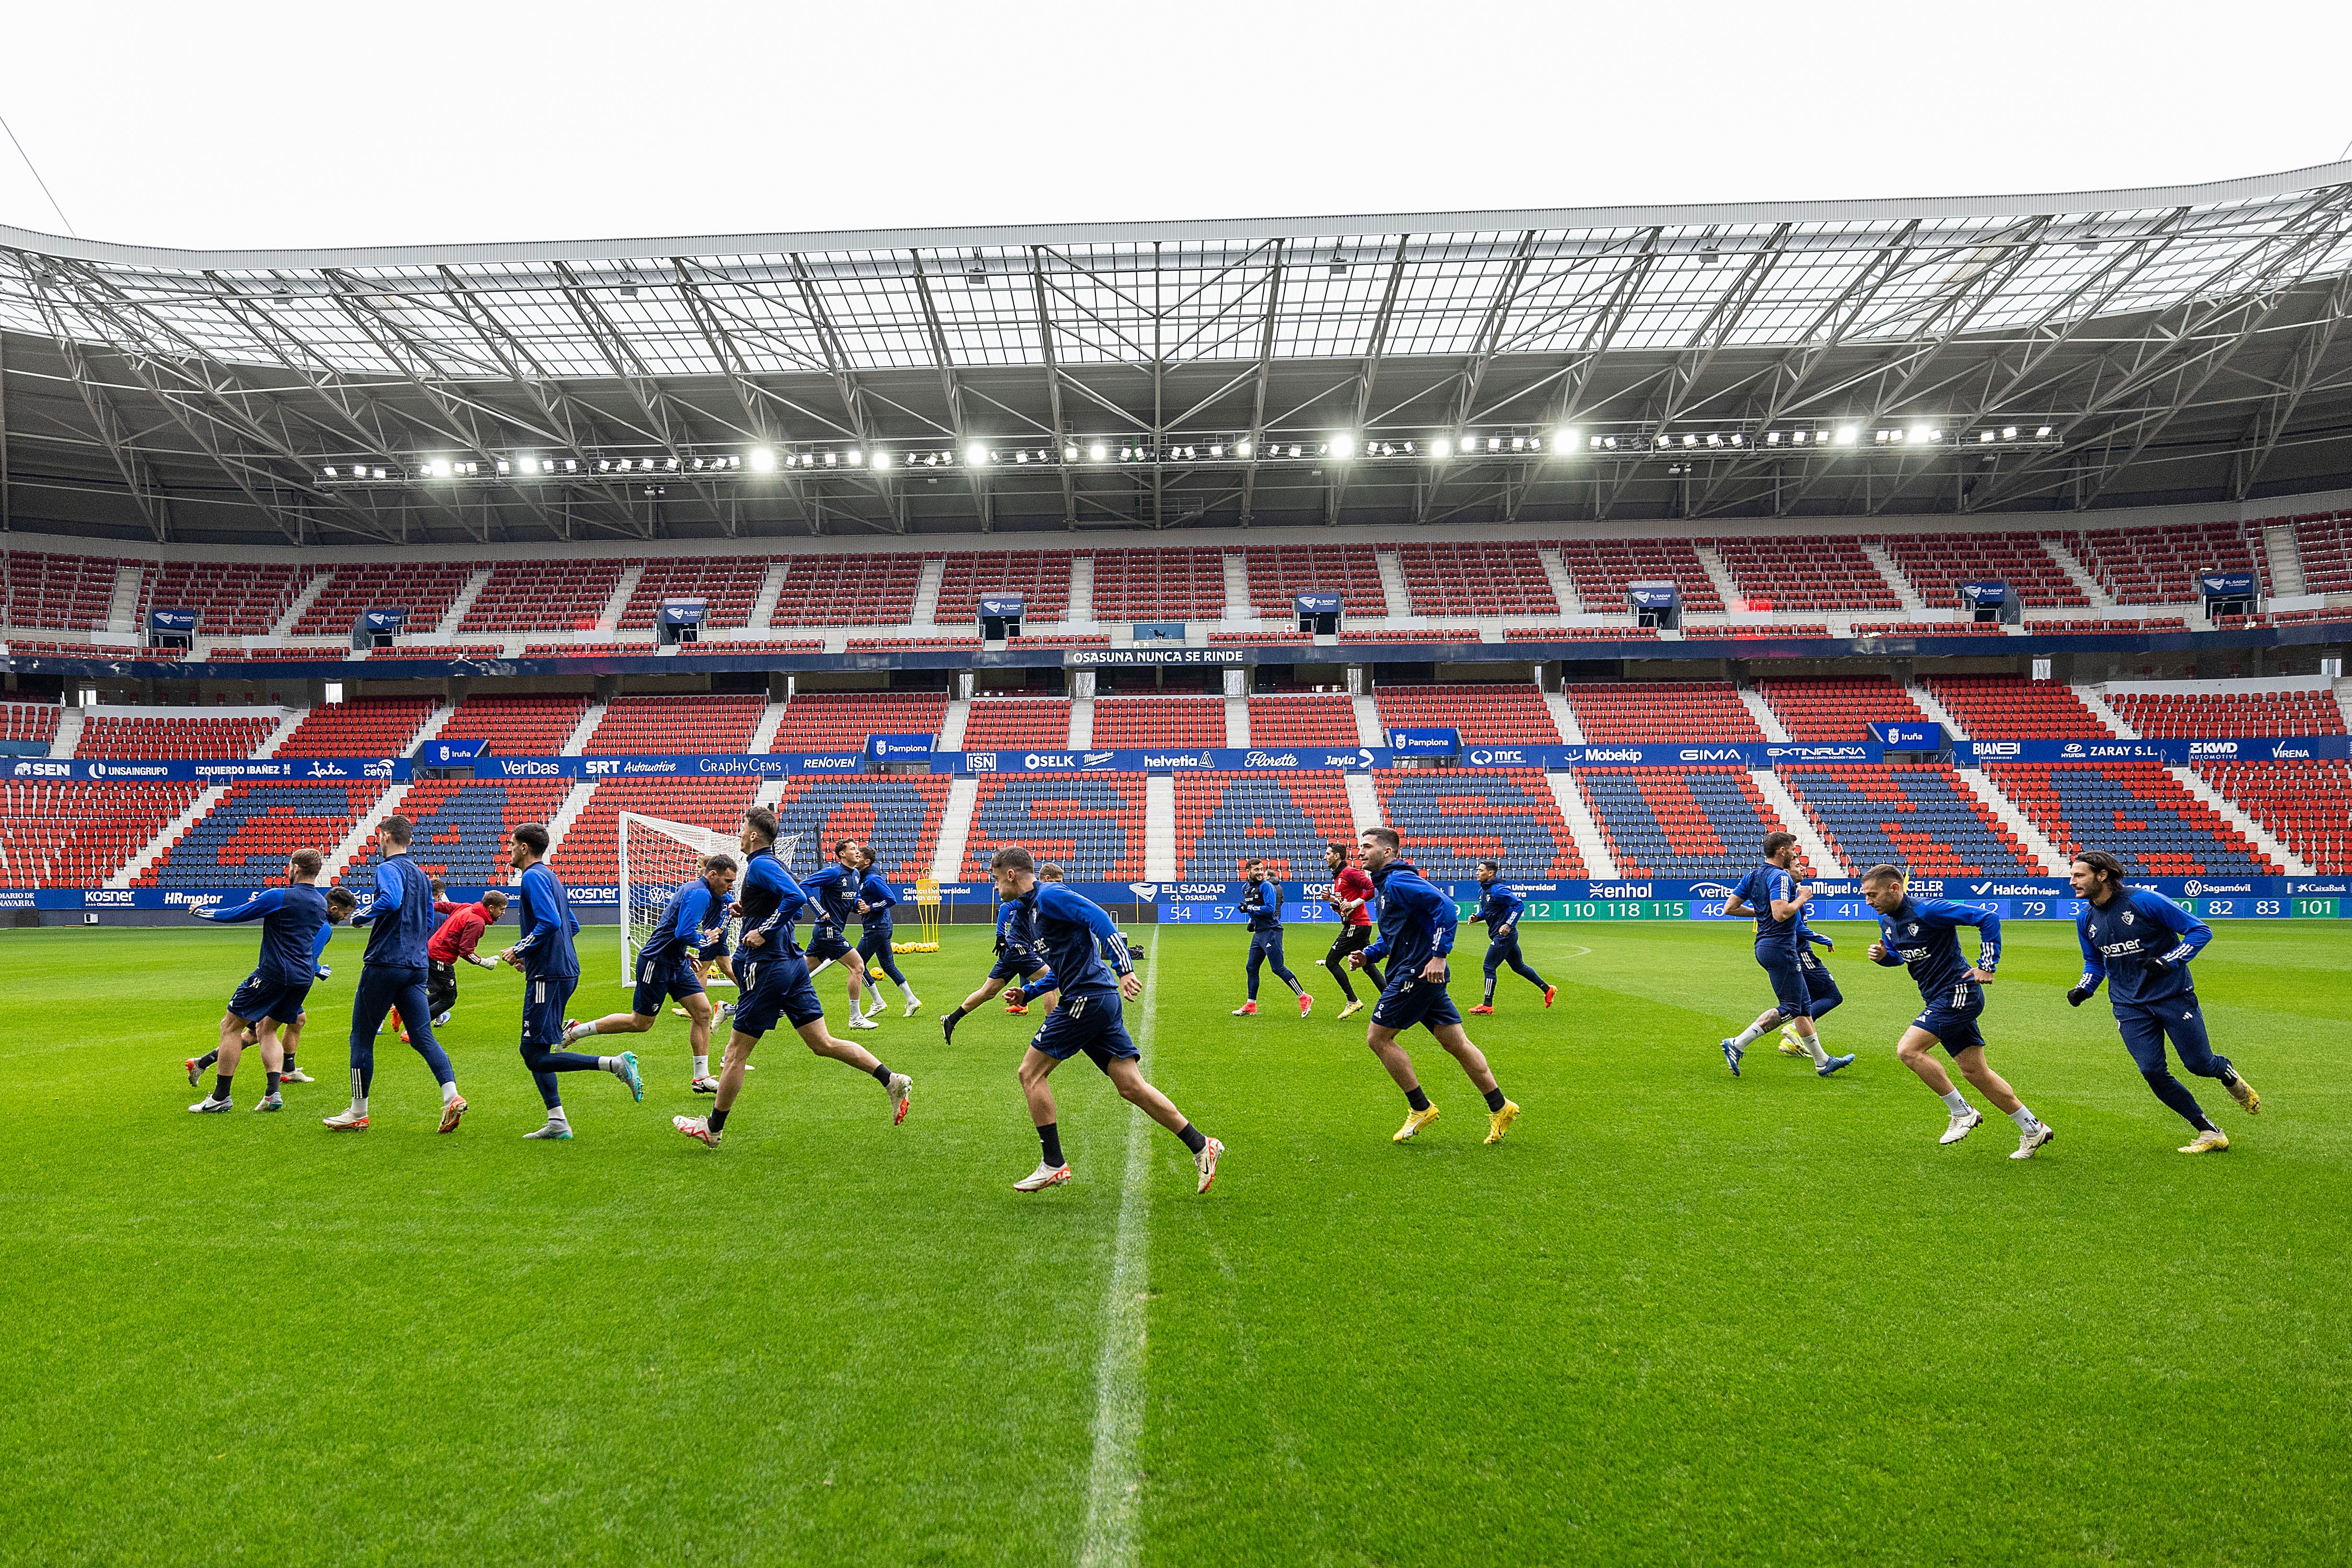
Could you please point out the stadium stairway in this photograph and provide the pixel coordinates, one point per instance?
(1936, 711)
(1825, 861)
(1563, 582)
(764, 734)
(578, 743)
(156, 848)
(763, 605)
(1761, 712)
(1160, 828)
(575, 803)
(68, 735)
(2229, 811)
(354, 848)
(2078, 574)
(2015, 818)
(2093, 698)
(1237, 724)
(1912, 605)
(608, 619)
(1563, 718)
(1591, 843)
(299, 606)
(1363, 801)
(1367, 723)
(1082, 722)
(464, 601)
(951, 725)
(955, 829)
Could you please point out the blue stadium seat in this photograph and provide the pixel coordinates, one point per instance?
(1224, 820)
(897, 817)
(1454, 818)
(1678, 822)
(1916, 818)
(1091, 823)
(245, 840)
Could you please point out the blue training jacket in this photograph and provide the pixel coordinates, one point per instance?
(1757, 890)
(1417, 921)
(677, 935)
(399, 915)
(1923, 933)
(770, 902)
(293, 931)
(834, 891)
(1071, 933)
(876, 894)
(1262, 904)
(548, 927)
(1499, 908)
(2120, 942)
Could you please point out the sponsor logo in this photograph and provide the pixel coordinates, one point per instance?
(601, 768)
(2319, 887)
(2283, 750)
(1148, 892)
(2212, 749)
(2071, 749)
(1640, 890)
(2193, 889)
(328, 770)
(1200, 889)
(381, 770)
(1709, 890)
(1710, 754)
(838, 764)
(1361, 758)
(1498, 757)
(156, 770)
(1524, 888)
(1607, 754)
(1168, 760)
(1037, 759)
(192, 900)
(2000, 748)
(1821, 753)
(2006, 890)
(979, 762)
(1926, 884)
(49, 770)
(16, 898)
(1097, 758)
(536, 767)
(1270, 759)
(107, 898)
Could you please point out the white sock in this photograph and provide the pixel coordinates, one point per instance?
(1956, 1101)
(2024, 1118)
(1747, 1035)
(448, 1091)
(702, 1067)
(611, 1065)
(578, 1031)
(1812, 1042)
(555, 1114)
(358, 1095)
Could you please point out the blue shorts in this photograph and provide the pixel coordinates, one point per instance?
(544, 997)
(2145, 1027)
(827, 942)
(773, 988)
(1092, 1023)
(1820, 986)
(1790, 993)
(712, 954)
(875, 937)
(1009, 968)
(658, 980)
(1951, 1017)
(1410, 1000)
(258, 999)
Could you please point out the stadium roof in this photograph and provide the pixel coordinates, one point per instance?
(1794, 359)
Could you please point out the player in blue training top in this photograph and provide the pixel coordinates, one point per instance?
(1261, 905)
(392, 974)
(1417, 923)
(667, 968)
(774, 980)
(874, 901)
(272, 996)
(1498, 909)
(339, 905)
(1923, 934)
(1075, 936)
(832, 895)
(1019, 968)
(551, 972)
(1820, 985)
(1772, 895)
(2140, 943)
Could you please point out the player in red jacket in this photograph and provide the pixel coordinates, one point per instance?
(453, 943)
(1352, 895)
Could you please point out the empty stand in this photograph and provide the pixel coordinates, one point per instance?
(2324, 542)
(1838, 709)
(464, 827)
(1627, 631)
(244, 839)
(1279, 573)
(1806, 574)
(1159, 585)
(2006, 708)
(517, 726)
(2112, 626)
(1751, 630)
(1130, 722)
(439, 652)
(1282, 818)
(2136, 812)
(643, 727)
(366, 726)
(1602, 568)
(236, 599)
(850, 590)
(1477, 580)
(1453, 817)
(728, 585)
(1042, 578)
(425, 588)
(64, 592)
(1937, 564)
(1919, 817)
(542, 596)
(1931, 629)
(2305, 805)
(29, 721)
(1484, 714)
(1654, 712)
(2160, 566)
(170, 735)
(965, 644)
(589, 853)
(577, 650)
(2238, 713)
(1679, 821)
(1092, 823)
(840, 721)
(1026, 723)
(1310, 718)
(896, 815)
(57, 833)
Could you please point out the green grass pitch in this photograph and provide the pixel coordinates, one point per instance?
(1674, 1318)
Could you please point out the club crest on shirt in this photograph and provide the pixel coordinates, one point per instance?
(1911, 929)
(2127, 917)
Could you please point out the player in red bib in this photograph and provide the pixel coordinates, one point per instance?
(1351, 894)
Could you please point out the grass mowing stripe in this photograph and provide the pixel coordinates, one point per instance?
(1111, 1479)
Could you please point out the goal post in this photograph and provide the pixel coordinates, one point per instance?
(656, 858)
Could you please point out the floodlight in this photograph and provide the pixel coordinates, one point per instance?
(1563, 441)
(1098, 452)
(1217, 451)
(1293, 451)
(2008, 432)
(330, 472)
(2043, 434)
(1441, 447)
(1921, 434)
(975, 455)
(1244, 448)
(1846, 434)
(1343, 446)
(763, 460)
(857, 457)
(503, 465)
(1494, 444)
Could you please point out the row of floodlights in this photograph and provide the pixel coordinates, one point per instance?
(1342, 447)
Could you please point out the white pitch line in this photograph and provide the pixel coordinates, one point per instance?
(1112, 1481)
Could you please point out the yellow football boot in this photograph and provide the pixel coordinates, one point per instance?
(1499, 1122)
(2211, 1143)
(1414, 1120)
(2243, 1093)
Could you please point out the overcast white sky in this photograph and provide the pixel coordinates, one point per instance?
(236, 125)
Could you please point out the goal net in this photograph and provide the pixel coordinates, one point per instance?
(656, 858)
